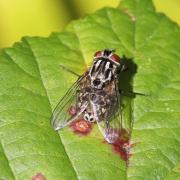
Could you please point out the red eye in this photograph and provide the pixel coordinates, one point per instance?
(98, 54)
(115, 57)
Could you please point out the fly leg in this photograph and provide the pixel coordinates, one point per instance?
(131, 94)
(68, 70)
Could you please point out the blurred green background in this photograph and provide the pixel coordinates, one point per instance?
(20, 18)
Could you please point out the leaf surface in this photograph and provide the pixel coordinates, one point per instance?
(32, 83)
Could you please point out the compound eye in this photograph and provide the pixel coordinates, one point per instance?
(98, 54)
(115, 57)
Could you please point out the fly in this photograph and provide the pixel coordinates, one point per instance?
(94, 97)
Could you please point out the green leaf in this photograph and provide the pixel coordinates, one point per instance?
(174, 174)
(31, 83)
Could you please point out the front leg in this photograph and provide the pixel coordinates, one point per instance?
(68, 70)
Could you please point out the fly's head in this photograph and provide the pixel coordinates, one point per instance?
(105, 67)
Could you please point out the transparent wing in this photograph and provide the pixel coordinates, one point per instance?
(67, 109)
(109, 117)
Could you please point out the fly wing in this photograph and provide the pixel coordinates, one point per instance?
(67, 109)
(108, 116)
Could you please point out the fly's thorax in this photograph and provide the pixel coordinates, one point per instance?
(102, 72)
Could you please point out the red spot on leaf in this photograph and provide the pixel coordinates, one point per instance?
(39, 176)
(72, 110)
(81, 127)
(122, 145)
